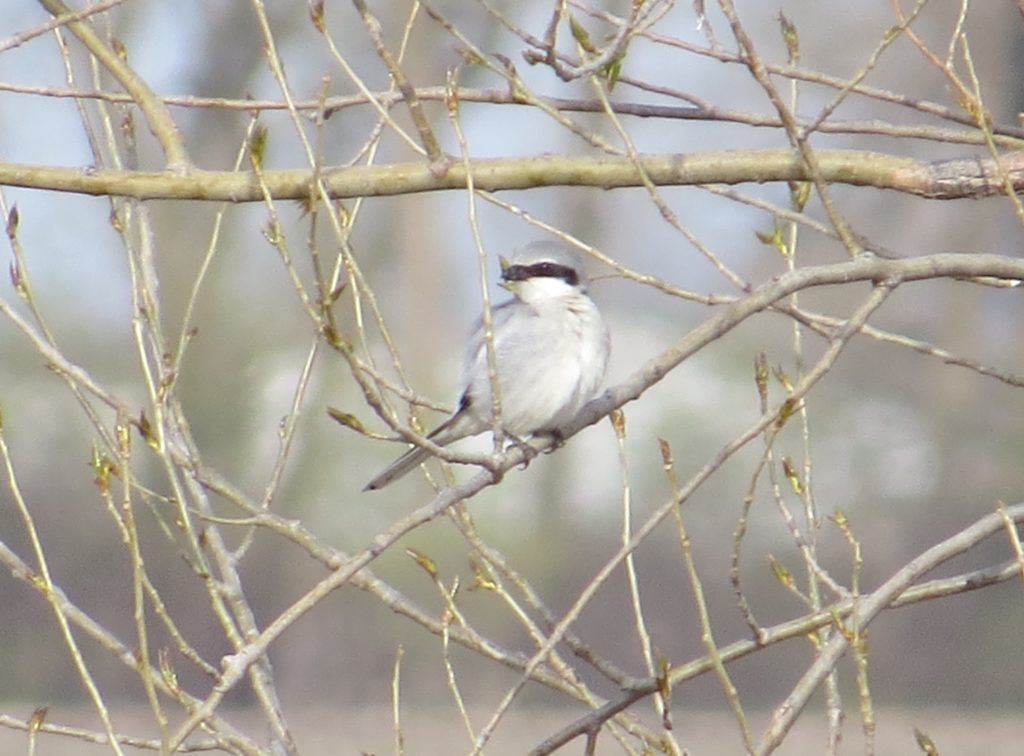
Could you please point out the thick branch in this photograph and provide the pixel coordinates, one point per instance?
(970, 177)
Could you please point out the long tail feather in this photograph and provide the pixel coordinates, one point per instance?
(408, 461)
(457, 426)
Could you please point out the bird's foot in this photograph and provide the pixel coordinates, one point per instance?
(528, 451)
(557, 441)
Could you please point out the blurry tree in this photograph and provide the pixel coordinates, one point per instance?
(368, 146)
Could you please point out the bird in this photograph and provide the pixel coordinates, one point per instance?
(551, 348)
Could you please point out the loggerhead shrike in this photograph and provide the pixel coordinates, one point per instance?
(551, 350)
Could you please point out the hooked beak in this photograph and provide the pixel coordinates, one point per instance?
(505, 265)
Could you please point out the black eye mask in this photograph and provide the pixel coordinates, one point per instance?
(541, 270)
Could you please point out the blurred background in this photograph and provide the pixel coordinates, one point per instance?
(909, 448)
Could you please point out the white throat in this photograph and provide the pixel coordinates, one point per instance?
(543, 288)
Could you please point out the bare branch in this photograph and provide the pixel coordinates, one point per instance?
(868, 607)
(944, 179)
(798, 628)
(157, 115)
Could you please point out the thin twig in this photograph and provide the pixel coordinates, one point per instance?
(867, 609)
(157, 116)
(797, 628)
(16, 40)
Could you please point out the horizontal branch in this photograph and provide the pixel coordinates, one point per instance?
(1003, 135)
(970, 177)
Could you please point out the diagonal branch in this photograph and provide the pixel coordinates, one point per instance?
(796, 137)
(797, 628)
(868, 607)
(156, 112)
(863, 268)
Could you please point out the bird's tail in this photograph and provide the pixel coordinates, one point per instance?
(457, 426)
(398, 468)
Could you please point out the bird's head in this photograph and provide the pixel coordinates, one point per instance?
(542, 270)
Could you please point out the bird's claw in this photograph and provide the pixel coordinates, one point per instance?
(528, 451)
(557, 441)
